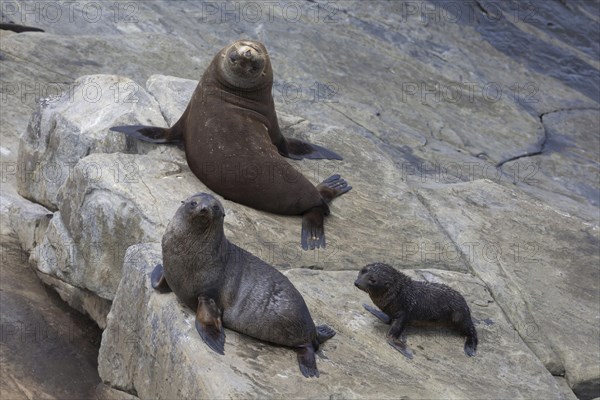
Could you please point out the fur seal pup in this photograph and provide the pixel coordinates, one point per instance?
(402, 299)
(233, 143)
(229, 287)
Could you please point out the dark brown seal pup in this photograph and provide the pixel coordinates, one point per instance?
(229, 287)
(233, 143)
(402, 300)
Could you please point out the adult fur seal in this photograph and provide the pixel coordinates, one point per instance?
(402, 300)
(233, 143)
(229, 287)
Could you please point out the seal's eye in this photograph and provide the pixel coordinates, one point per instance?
(216, 208)
(372, 281)
(193, 204)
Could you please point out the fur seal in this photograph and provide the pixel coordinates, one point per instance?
(229, 287)
(233, 143)
(402, 299)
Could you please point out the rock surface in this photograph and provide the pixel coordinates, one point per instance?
(465, 131)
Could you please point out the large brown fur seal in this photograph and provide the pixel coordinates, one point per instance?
(229, 287)
(403, 300)
(233, 143)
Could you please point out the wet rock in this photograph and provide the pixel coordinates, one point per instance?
(151, 346)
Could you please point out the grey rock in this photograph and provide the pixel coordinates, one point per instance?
(104, 392)
(564, 387)
(172, 93)
(568, 163)
(547, 288)
(81, 300)
(67, 128)
(29, 221)
(106, 206)
(151, 346)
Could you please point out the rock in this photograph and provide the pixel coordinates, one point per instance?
(564, 387)
(29, 221)
(548, 289)
(172, 93)
(568, 164)
(106, 206)
(104, 392)
(150, 346)
(81, 300)
(67, 128)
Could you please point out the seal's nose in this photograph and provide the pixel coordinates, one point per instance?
(245, 52)
(356, 284)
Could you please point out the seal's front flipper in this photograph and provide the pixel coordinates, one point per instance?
(152, 134)
(9, 26)
(307, 362)
(209, 325)
(333, 187)
(400, 345)
(158, 280)
(313, 230)
(378, 313)
(297, 150)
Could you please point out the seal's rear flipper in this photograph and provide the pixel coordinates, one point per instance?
(152, 134)
(307, 362)
(313, 231)
(297, 150)
(378, 313)
(470, 348)
(209, 325)
(324, 333)
(471, 343)
(158, 280)
(333, 187)
(401, 346)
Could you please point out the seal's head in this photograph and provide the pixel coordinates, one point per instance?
(245, 65)
(376, 278)
(202, 211)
